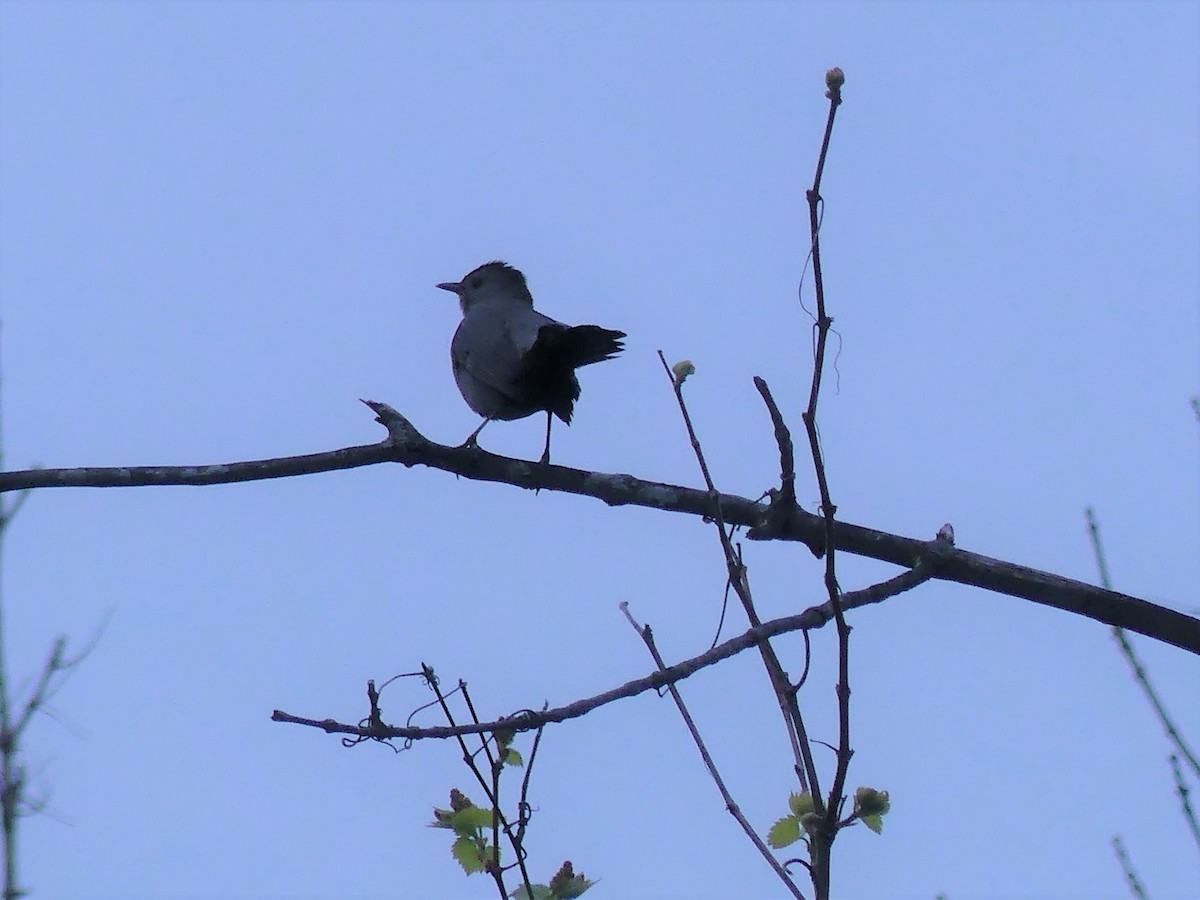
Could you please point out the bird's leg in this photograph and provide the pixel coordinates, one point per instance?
(546, 453)
(470, 441)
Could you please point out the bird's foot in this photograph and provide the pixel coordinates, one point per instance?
(470, 442)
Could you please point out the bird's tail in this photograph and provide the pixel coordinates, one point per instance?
(583, 345)
(547, 373)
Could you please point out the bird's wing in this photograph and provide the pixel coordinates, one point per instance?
(489, 345)
(524, 328)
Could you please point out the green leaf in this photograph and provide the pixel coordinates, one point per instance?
(874, 821)
(870, 802)
(540, 892)
(469, 854)
(801, 804)
(566, 884)
(468, 821)
(441, 818)
(810, 822)
(784, 832)
(513, 758)
(572, 888)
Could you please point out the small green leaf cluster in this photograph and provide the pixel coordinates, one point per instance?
(870, 806)
(506, 753)
(478, 830)
(471, 825)
(563, 886)
(792, 827)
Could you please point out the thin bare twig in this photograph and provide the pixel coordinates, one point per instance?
(493, 790)
(523, 805)
(1131, 878)
(647, 636)
(56, 670)
(1135, 663)
(805, 767)
(1181, 788)
(491, 787)
(783, 438)
(814, 617)
(469, 758)
(10, 510)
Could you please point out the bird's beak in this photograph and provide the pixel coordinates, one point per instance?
(453, 287)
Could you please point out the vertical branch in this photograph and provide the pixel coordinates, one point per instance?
(523, 806)
(469, 758)
(56, 669)
(499, 820)
(822, 839)
(12, 782)
(10, 787)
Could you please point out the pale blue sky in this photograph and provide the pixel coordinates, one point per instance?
(221, 224)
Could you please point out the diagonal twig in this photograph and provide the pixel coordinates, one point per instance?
(1185, 803)
(1131, 877)
(526, 720)
(1135, 662)
(731, 805)
(805, 767)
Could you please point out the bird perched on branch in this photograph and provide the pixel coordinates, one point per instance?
(511, 361)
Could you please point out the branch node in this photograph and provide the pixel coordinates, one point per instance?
(401, 432)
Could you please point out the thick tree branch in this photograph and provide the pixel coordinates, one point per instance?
(407, 446)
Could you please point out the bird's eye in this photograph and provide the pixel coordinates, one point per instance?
(476, 282)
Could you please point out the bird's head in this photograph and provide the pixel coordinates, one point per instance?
(494, 281)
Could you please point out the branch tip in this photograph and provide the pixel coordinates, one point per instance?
(400, 430)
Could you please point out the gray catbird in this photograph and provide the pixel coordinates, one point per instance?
(509, 360)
